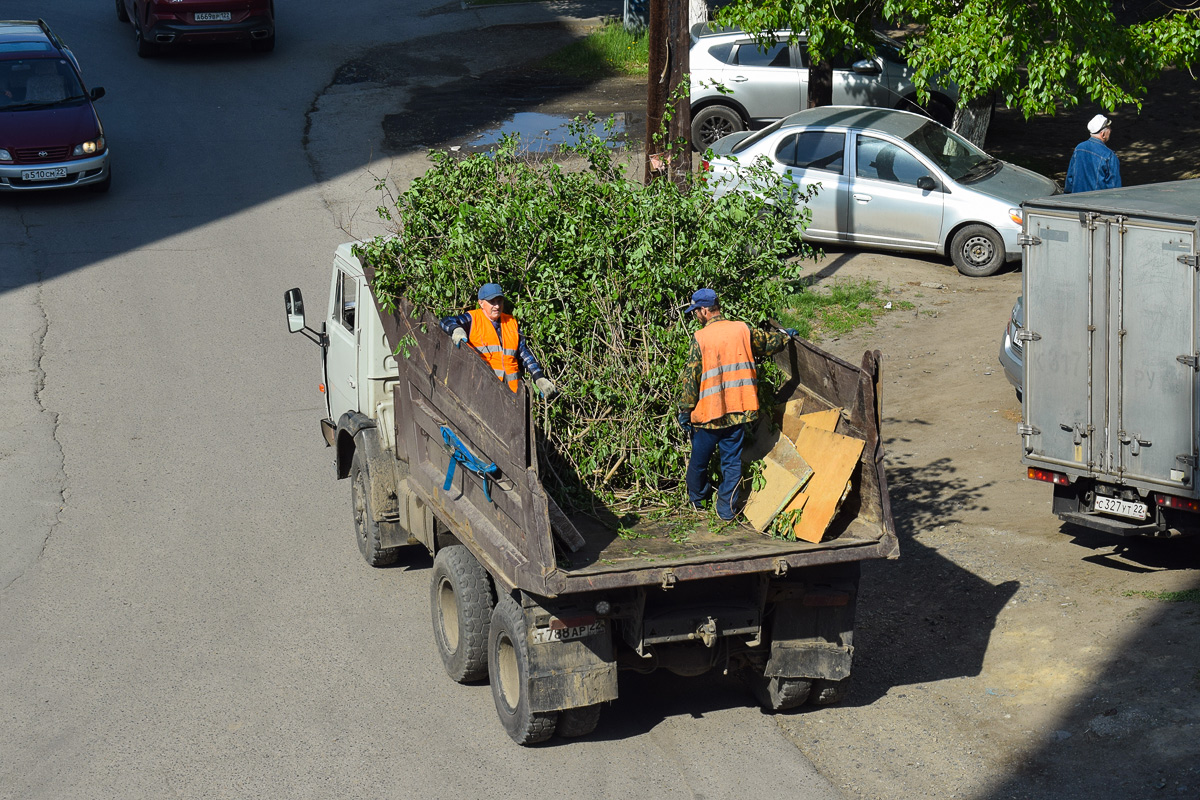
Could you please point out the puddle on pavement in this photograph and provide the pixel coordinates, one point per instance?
(545, 133)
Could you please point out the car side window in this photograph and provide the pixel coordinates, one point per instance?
(884, 161)
(822, 150)
(345, 300)
(777, 55)
(721, 52)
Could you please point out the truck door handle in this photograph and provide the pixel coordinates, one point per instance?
(862, 198)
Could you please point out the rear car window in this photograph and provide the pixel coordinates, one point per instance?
(823, 150)
(777, 55)
(721, 52)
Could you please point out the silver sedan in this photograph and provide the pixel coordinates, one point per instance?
(888, 179)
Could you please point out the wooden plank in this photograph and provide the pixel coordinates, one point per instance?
(822, 420)
(792, 412)
(833, 458)
(780, 486)
(785, 473)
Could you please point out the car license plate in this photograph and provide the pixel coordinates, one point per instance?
(1122, 508)
(544, 635)
(48, 174)
(213, 16)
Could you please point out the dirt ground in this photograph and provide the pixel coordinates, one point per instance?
(1004, 655)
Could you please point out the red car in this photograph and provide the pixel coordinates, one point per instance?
(163, 23)
(50, 136)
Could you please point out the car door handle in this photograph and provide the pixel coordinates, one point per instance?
(862, 198)
(350, 380)
(739, 79)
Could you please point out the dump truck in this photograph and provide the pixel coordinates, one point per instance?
(1111, 354)
(551, 606)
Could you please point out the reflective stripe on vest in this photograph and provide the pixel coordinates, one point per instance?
(728, 379)
(499, 354)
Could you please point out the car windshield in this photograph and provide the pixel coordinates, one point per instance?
(957, 157)
(38, 82)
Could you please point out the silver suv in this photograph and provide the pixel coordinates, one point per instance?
(770, 84)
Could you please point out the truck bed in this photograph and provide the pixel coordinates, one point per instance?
(506, 519)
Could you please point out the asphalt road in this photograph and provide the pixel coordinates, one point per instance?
(183, 611)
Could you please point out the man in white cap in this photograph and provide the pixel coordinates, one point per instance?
(1093, 166)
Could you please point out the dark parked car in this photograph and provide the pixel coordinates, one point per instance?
(165, 23)
(50, 136)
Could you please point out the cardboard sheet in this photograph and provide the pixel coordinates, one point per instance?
(824, 420)
(784, 474)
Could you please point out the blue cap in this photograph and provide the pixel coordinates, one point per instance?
(702, 298)
(490, 291)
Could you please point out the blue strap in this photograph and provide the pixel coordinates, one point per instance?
(462, 455)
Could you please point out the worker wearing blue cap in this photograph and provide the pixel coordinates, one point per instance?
(497, 337)
(719, 397)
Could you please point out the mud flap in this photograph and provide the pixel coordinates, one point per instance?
(812, 641)
(571, 674)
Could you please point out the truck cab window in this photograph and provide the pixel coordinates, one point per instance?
(347, 297)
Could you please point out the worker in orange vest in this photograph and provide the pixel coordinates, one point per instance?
(719, 397)
(497, 338)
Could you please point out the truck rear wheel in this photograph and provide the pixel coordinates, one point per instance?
(461, 605)
(781, 694)
(573, 722)
(366, 529)
(826, 692)
(508, 668)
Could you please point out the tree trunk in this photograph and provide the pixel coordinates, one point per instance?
(820, 84)
(971, 121)
(697, 12)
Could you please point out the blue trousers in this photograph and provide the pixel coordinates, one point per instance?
(728, 443)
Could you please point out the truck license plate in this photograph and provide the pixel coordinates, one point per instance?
(49, 174)
(545, 635)
(212, 16)
(1122, 508)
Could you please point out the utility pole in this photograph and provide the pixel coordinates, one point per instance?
(670, 43)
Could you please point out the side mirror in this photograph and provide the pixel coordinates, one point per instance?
(866, 66)
(97, 92)
(293, 306)
(926, 183)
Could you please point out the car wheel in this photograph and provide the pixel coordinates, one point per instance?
(461, 604)
(122, 14)
(977, 251)
(104, 185)
(711, 123)
(263, 45)
(145, 49)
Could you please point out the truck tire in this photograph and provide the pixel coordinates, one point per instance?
(508, 669)
(781, 694)
(573, 722)
(461, 606)
(977, 251)
(711, 123)
(366, 529)
(826, 692)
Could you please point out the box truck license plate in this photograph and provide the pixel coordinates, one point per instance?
(1122, 508)
(544, 635)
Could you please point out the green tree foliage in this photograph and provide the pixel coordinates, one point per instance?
(597, 269)
(1033, 54)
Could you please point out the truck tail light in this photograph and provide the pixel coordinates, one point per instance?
(1047, 476)
(1181, 503)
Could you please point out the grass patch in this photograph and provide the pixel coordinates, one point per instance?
(1185, 596)
(609, 50)
(844, 306)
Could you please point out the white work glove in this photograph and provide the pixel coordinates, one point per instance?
(546, 387)
(458, 337)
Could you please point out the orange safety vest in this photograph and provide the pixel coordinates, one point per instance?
(499, 354)
(728, 379)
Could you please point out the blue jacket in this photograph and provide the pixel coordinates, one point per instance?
(524, 354)
(1093, 166)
